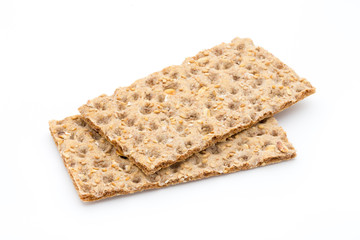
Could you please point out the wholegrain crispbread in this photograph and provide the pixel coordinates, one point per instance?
(170, 115)
(98, 172)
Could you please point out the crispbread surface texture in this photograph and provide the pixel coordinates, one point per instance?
(169, 115)
(99, 172)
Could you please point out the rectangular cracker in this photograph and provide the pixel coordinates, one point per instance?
(98, 172)
(169, 115)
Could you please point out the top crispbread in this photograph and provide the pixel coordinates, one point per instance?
(169, 115)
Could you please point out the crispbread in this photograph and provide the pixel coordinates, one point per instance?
(169, 115)
(99, 172)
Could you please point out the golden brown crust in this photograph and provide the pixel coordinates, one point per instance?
(98, 172)
(172, 114)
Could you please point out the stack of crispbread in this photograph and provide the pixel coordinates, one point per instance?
(210, 115)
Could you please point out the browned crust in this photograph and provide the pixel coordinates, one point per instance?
(214, 139)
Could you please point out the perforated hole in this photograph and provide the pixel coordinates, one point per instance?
(227, 64)
(236, 78)
(242, 141)
(83, 149)
(261, 56)
(260, 133)
(280, 65)
(194, 86)
(161, 98)
(100, 106)
(180, 149)
(135, 96)
(259, 82)
(169, 111)
(148, 96)
(253, 100)
(246, 120)
(154, 153)
(153, 126)
(250, 133)
(161, 138)
(234, 105)
(276, 92)
(105, 146)
(136, 179)
(221, 117)
(231, 123)
(80, 122)
(130, 122)
(121, 115)
(174, 75)
(206, 128)
(212, 95)
(244, 158)
(299, 89)
(140, 127)
(258, 108)
(213, 77)
(146, 109)
(203, 165)
(234, 90)
(274, 133)
(103, 120)
(122, 165)
(153, 177)
(125, 149)
(94, 134)
(100, 163)
(196, 159)
(138, 138)
(208, 105)
(188, 144)
(218, 51)
(80, 137)
(180, 128)
(215, 149)
(240, 47)
(203, 62)
(266, 143)
(253, 116)
(171, 85)
(194, 71)
(193, 116)
(117, 131)
(120, 106)
(151, 81)
(85, 187)
(186, 101)
(123, 98)
(108, 178)
(221, 91)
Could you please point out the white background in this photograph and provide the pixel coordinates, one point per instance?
(55, 55)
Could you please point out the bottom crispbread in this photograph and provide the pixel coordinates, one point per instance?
(99, 172)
